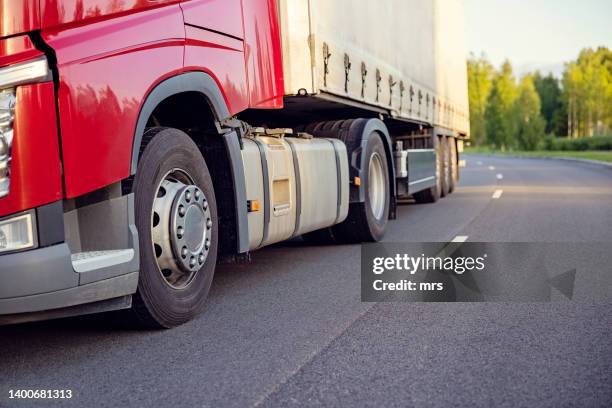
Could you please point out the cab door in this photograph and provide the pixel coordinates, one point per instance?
(214, 44)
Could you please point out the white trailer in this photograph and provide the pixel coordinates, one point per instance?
(405, 58)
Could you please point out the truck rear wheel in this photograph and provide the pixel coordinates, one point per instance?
(176, 217)
(367, 221)
(433, 194)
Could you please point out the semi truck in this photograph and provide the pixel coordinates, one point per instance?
(142, 142)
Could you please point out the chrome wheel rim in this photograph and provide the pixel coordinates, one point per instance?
(376, 185)
(181, 228)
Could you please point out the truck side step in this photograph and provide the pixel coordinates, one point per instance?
(94, 260)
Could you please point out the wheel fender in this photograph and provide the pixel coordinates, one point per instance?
(205, 84)
(187, 82)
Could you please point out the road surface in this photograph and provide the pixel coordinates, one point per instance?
(289, 329)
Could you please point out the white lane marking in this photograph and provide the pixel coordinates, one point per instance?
(462, 163)
(460, 238)
(497, 194)
(500, 176)
(491, 168)
(479, 163)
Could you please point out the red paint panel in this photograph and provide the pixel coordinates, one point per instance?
(224, 16)
(106, 70)
(17, 49)
(18, 16)
(35, 165)
(263, 54)
(222, 57)
(58, 12)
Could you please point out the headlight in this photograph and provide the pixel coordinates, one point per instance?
(17, 233)
(7, 115)
(29, 72)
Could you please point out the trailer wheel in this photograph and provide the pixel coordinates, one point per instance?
(176, 217)
(454, 163)
(433, 194)
(446, 167)
(367, 221)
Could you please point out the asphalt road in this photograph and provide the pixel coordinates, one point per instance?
(289, 329)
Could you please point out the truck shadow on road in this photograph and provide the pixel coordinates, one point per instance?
(265, 268)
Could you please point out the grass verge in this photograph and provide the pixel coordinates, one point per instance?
(600, 155)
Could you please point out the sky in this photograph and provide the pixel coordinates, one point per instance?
(536, 34)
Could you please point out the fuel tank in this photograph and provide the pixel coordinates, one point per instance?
(294, 185)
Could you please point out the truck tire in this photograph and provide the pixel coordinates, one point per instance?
(433, 194)
(367, 221)
(446, 167)
(176, 217)
(454, 163)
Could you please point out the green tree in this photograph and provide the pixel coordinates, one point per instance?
(549, 91)
(494, 118)
(529, 124)
(499, 115)
(559, 119)
(587, 84)
(480, 82)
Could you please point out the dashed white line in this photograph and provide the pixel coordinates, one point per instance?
(479, 163)
(491, 168)
(500, 176)
(497, 194)
(462, 163)
(460, 238)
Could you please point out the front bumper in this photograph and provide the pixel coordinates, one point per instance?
(34, 272)
(43, 284)
(40, 281)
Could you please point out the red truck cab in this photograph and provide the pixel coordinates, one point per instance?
(80, 82)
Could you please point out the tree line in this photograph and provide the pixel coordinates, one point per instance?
(511, 113)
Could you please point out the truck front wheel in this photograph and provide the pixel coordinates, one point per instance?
(176, 217)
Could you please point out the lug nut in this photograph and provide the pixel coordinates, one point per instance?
(209, 224)
(181, 211)
(188, 195)
(184, 252)
(192, 262)
(201, 258)
(207, 244)
(197, 195)
(205, 204)
(179, 232)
